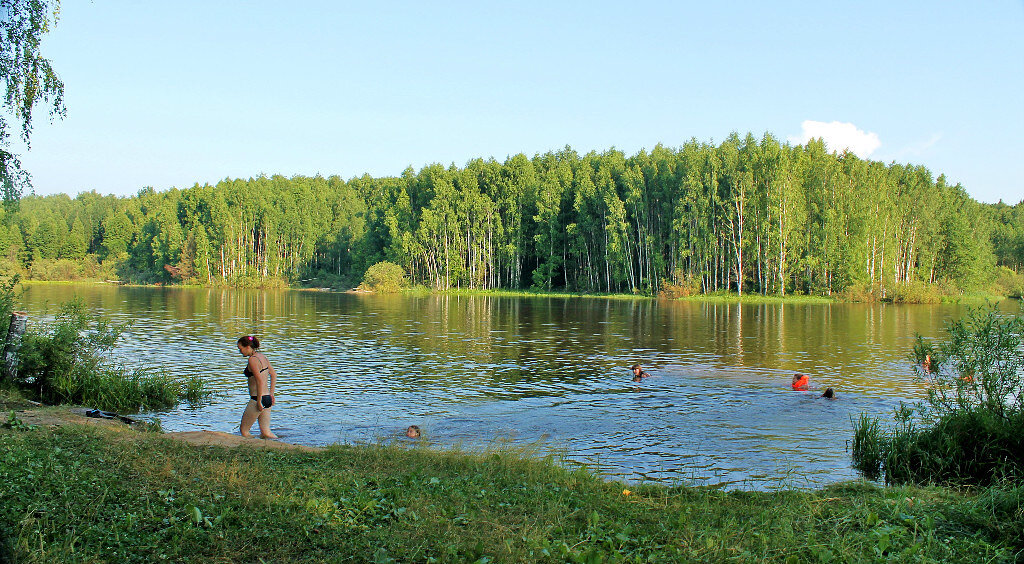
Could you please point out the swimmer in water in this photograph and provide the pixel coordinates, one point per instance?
(413, 432)
(638, 373)
(829, 394)
(800, 381)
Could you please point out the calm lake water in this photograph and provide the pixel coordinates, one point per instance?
(550, 372)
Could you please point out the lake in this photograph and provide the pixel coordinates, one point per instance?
(550, 373)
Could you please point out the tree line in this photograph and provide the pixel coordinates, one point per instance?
(746, 215)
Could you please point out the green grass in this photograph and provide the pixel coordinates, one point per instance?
(85, 494)
(975, 298)
(732, 297)
(718, 297)
(420, 290)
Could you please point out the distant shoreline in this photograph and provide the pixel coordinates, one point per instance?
(718, 297)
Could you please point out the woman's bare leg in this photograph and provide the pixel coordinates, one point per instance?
(264, 419)
(249, 417)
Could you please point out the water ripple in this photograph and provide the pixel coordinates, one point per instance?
(547, 372)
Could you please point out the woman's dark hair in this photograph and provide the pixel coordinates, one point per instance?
(249, 341)
(634, 367)
(829, 393)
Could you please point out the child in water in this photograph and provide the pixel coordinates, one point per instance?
(638, 373)
(829, 394)
(800, 381)
(413, 432)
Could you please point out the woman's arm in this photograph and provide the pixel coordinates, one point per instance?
(273, 384)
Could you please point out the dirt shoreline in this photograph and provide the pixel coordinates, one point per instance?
(58, 416)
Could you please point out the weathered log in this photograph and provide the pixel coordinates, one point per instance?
(19, 321)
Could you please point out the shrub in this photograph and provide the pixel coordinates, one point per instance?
(916, 292)
(684, 288)
(1008, 283)
(64, 269)
(966, 447)
(255, 282)
(971, 429)
(862, 292)
(67, 362)
(383, 277)
(10, 266)
(327, 279)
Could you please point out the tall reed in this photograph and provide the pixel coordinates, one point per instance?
(971, 428)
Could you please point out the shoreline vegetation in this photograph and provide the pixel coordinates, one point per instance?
(974, 298)
(67, 361)
(104, 491)
(970, 430)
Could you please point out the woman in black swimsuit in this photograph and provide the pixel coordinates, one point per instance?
(261, 395)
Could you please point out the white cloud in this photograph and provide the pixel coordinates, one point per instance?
(839, 136)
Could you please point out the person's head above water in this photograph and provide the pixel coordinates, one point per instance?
(248, 342)
(412, 432)
(829, 394)
(800, 381)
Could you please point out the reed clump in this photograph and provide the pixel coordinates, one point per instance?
(970, 431)
(68, 361)
(916, 292)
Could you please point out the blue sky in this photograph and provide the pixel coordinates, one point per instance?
(169, 94)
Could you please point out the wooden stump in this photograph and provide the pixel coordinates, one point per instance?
(19, 321)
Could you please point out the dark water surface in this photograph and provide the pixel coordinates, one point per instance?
(547, 371)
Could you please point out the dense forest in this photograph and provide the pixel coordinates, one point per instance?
(747, 215)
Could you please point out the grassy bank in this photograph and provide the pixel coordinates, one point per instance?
(720, 297)
(420, 290)
(82, 494)
(717, 297)
(732, 297)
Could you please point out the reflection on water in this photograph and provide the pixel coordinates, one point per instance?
(547, 371)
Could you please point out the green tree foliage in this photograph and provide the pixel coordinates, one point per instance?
(29, 80)
(748, 215)
(115, 234)
(384, 278)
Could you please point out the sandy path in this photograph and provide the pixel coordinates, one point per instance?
(59, 416)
